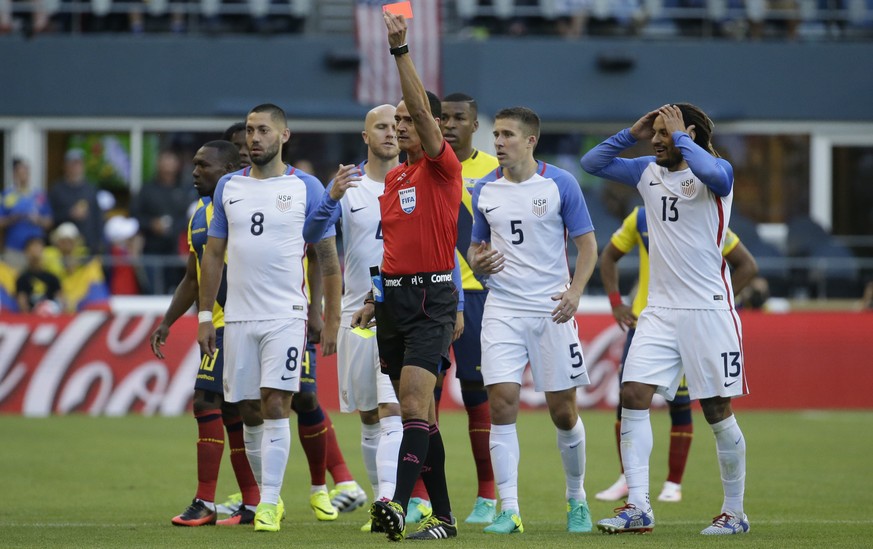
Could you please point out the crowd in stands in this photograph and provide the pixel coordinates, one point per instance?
(69, 249)
(739, 19)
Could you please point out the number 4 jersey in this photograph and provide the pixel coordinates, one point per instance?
(262, 220)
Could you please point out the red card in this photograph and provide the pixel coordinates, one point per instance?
(399, 8)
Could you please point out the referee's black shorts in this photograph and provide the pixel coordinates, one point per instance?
(415, 321)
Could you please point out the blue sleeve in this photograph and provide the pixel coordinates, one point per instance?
(574, 211)
(218, 226)
(481, 229)
(603, 160)
(314, 194)
(46, 207)
(322, 217)
(456, 278)
(715, 173)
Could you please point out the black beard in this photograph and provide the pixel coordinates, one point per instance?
(670, 162)
(265, 158)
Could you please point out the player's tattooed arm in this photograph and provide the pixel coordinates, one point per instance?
(331, 275)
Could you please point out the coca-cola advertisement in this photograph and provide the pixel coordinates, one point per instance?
(100, 363)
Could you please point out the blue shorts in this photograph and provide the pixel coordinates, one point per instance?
(308, 373)
(468, 347)
(211, 373)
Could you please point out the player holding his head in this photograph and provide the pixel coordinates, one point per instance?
(634, 232)
(523, 214)
(258, 222)
(689, 326)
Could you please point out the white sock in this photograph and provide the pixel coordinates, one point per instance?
(370, 435)
(387, 454)
(252, 437)
(636, 449)
(317, 488)
(274, 457)
(731, 447)
(572, 447)
(504, 460)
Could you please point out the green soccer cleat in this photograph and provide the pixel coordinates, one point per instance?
(280, 509)
(418, 510)
(372, 527)
(267, 518)
(506, 522)
(229, 507)
(321, 506)
(388, 516)
(578, 516)
(484, 511)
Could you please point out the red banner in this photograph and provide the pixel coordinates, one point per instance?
(101, 364)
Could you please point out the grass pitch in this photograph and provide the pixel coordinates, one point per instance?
(80, 481)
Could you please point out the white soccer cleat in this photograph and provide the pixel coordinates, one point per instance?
(671, 492)
(615, 492)
(628, 520)
(726, 524)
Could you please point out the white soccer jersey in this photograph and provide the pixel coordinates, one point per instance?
(687, 219)
(362, 240)
(687, 225)
(529, 223)
(262, 220)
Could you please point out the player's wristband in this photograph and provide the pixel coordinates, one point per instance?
(615, 299)
(368, 299)
(204, 316)
(399, 50)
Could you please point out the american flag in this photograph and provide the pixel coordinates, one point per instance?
(378, 81)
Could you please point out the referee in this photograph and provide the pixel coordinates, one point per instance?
(417, 308)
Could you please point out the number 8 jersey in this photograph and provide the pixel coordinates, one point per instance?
(262, 221)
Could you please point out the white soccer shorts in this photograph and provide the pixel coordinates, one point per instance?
(262, 353)
(704, 345)
(362, 385)
(553, 350)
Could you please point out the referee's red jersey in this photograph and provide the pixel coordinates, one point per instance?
(420, 214)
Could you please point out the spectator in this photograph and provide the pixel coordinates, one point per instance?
(24, 214)
(161, 209)
(125, 248)
(74, 199)
(82, 281)
(36, 289)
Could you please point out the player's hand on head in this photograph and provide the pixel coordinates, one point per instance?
(347, 177)
(672, 116)
(158, 339)
(644, 127)
(568, 303)
(396, 25)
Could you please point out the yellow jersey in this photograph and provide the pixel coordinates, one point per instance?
(474, 168)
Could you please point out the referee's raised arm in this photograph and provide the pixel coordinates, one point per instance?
(414, 94)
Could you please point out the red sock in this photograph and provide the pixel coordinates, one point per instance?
(680, 444)
(419, 491)
(313, 438)
(479, 426)
(336, 463)
(210, 445)
(240, 463)
(618, 444)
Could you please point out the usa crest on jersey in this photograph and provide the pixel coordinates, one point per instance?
(687, 187)
(540, 206)
(407, 199)
(283, 202)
